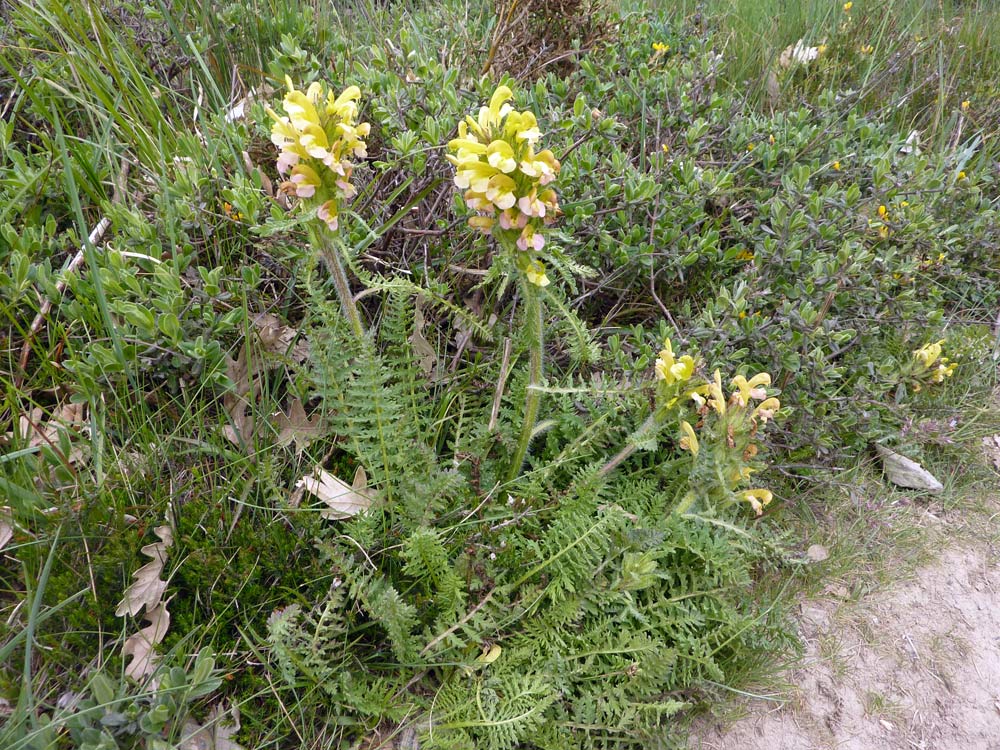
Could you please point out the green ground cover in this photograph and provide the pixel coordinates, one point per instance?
(377, 486)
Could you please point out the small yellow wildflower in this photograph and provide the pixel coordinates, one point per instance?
(848, 6)
(745, 255)
(666, 148)
(821, 49)
(766, 409)
(714, 389)
(883, 231)
(743, 314)
(836, 166)
(904, 204)
(661, 47)
(867, 49)
(750, 389)
(883, 212)
(941, 257)
(671, 369)
(961, 175)
(965, 105)
(749, 147)
(928, 354)
(689, 440)
(770, 139)
(758, 499)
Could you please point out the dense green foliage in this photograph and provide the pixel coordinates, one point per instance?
(819, 231)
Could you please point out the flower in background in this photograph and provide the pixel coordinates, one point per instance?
(689, 440)
(671, 369)
(505, 179)
(318, 138)
(758, 499)
(965, 105)
(661, 48)
(848, 6)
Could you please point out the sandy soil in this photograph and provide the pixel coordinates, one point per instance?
(915, 666)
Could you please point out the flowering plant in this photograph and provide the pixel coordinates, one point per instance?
(505, 180)
(318, 138)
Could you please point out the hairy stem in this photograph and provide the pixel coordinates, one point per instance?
(324, 241)
(536, 336)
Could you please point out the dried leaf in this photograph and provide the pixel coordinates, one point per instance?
(297, 427)
(65, 418)
(6, 525)
(422, 350)
(215, 734)
(235, 402)
(343, 499)
(906, 472)
(280, 339)
(147, 588)
(991, 447)
(817, 553)
(140, 645)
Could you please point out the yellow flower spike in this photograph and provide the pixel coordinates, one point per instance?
(750, 389)
(758, 499)
(928, 354)
(689, 440)
(766, 409)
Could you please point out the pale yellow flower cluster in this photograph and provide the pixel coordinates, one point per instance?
(505, 180)
(318, 139)
(940, 367)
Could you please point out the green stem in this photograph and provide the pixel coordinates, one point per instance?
(323, 240)
(533, 314)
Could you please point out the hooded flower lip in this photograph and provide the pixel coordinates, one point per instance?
(750, 389)
(505, 180)
(689, 440)
(758, 499)
(317, 136)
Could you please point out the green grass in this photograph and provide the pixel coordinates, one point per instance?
(118, 111)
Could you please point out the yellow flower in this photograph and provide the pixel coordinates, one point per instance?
(945, 369)
(836, 166)
(717, 398)
(535, 273)
(660, 47)
(666, 148)
(867, 49)
(749, 147)
(673, 370)
(758, 499)
(503, 178)
(689, 440)
(965, 105)
(848, 6)
(961, 175)
(317, 137)
(750, 389)
(743, 314)
(928, 354)
(766, 409)
(883, 212)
